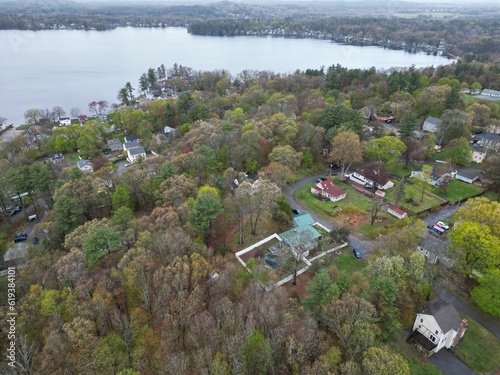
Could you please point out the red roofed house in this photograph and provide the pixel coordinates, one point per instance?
(396, 211)
(328, 190)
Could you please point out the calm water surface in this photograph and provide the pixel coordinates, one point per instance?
(71, 68)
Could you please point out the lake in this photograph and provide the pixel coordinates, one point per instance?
(70, 68)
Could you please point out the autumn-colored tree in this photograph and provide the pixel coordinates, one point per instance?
(381, 361)
(346, 150)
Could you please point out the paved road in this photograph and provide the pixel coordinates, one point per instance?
(364, 247)
(450, 364)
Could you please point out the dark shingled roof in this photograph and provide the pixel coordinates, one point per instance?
(445, 314)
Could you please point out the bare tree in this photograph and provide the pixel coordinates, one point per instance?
(75, 112)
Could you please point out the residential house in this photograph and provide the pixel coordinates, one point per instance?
(169, 132)
(54, 158)
(129, 145)
(328, 190)
(490, 141)
(431, 124)
(303, 220)
(434, 249)
(114, 144)
(438, 326)
(64, 121)
(396, 211)
(467, 175)
(85, 165)
(478, 154)
(491, 93)
(436, 177)
(372, 176)
(304, 237)
(131, 138)
(135, 154)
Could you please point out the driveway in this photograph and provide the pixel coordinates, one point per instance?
(450, 364)
(363, 246)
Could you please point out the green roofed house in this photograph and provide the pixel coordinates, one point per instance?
(304, 236)
(302, 220)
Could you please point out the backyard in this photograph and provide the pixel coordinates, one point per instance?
(413, 202)
(457, 190)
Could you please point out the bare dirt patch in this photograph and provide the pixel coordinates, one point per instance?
(302, 281)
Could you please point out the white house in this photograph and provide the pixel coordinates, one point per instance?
(478, 154)
(168, 131)
(467, 176)
(436, 177)
(492, 93)
(372, 177)
(64, 121)
(438, 326)
(130, 145)
(431, 124)
(136, 153)
(328, 190)
(85, 165)
(396, 211)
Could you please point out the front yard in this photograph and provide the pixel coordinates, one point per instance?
(479, 349)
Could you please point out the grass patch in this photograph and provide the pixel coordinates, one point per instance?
(348, 262)
(492, 196)
(479, 348)
(457, 190)
(419, 365)
(306, 172)
(414, 192)
(265, 228)
(400, 171)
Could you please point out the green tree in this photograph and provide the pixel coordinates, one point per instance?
(340, 235)
(67, 214)
(486, 295)
(257, 355)
(459, 151)
(408, 125)
(338, 116)
(386, 149)
(321, 291)
(381, 361)
(121, 198)
(122, 217)
(205, 209)
(100, 240)
(219, 365)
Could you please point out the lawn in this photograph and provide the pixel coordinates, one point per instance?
(418, 365)
(479, 349)
(415, 193)
(399, 170)
(457, 190)
(348, 262)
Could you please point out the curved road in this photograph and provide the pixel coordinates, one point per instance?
(365, 247)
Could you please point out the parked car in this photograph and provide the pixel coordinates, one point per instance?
(357, 254)
(21, 237)
(35, 240)
(296, 211)
(319, 180)
(15, 211)
(442, 225)
(323, 178)
(33, 217)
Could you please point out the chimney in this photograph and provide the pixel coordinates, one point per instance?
(460, 333)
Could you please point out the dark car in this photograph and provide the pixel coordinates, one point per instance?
(323, 178)
(35, 240)
(20, 237)
(357, 254)
(296, 211)
(15, 211)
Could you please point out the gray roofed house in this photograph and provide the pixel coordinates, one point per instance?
(114, 144)
(130, 145)
(437, 326)
(492, 93)
(467, 175)
(85, 165)
(131, 138)
(478, 153)
(490, 141)
(431, 124)
(134, 154)
(435, 250)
